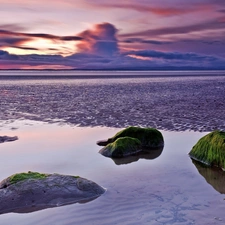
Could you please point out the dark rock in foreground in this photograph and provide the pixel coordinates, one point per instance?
(6, 138)
(28, 192)
(210, 149)
(130, 141)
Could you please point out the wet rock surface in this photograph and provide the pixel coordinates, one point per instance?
(52, 190)
(168, 103)
(130, 141)
(7, 139)
(210, 149)
(122, 147)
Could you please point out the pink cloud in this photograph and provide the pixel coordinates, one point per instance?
(101, 40)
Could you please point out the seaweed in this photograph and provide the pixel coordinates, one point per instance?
(210, 149)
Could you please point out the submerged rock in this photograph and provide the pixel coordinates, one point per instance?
(6, 138)
(131, 141)
(210, 149)
(32, 191)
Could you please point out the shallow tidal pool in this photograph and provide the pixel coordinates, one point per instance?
(165, 188)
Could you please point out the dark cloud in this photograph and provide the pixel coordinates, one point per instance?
(130, 60)
(40, 35)
(215, 24)
(139, 40)
(11, 41)
(172, 55)
(101, 40)
(4, 55)
(25, 48)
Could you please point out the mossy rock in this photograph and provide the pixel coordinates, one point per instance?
(32, 191)
(210, 149)
(149, 137)
(121, 147)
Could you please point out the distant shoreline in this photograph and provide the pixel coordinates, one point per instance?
(103, 74)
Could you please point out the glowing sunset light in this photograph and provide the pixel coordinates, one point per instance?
(99, 35)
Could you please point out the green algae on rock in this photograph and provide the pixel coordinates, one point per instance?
(121, 147)
(23, 176)
(149, 137)
(32, 191)
(210, 149)
(130, 141)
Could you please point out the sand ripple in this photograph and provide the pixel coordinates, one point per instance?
(167, 103)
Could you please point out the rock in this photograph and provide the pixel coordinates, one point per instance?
(121, 147)
(210, 149)
(149, 137)
(6, 138)
(32, 191)
(130, 141)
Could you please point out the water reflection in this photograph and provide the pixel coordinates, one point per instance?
(29, 208)
(213, 176)
(150, 154)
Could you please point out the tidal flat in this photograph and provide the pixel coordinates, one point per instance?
(59, 121)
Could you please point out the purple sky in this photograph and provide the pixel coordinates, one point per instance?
(135, 34)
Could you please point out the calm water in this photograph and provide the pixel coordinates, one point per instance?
(165, 190)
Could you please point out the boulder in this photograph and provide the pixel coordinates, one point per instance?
(121, 147)
(210, 149)
(130, 141)
(32, 191)
(6, 138)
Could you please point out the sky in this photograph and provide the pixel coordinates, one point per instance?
(118, 34)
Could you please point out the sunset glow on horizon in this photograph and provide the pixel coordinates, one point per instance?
(102, 35)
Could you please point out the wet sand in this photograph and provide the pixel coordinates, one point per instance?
(168, 103)
(167, 189)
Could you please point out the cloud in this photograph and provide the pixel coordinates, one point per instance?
(101, 40)
(215, 24)
(9, 41)
(40, 35)
(172, 55)
(140, 40)
(20, 40)
(98, 48)
(12, 26)
(162, 11)
(185, 60)
(160, 8)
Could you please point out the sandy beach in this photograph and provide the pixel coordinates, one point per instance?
(171, 103)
